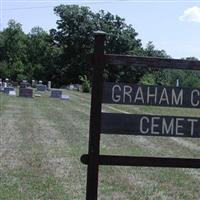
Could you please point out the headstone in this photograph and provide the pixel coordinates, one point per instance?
(56, 94)
(41, 87)
(12, 93)
(9, 84)
(177, 82)
(38, 95)
(24, 84)
(77, 87)
(8, 89)
(33, 84)
(25, 92)
(5, 84)
(1, 85)
(40, 82)
(65, 97)
(71, 87)
(49, 85)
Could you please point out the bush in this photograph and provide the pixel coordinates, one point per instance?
(85, 83)
(21, 77)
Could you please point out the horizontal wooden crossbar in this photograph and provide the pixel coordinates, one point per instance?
(150, 125)
(145, 161)
(152, 62)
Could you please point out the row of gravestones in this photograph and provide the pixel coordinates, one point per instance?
(25, 84)
(40, 86)
(26, 91)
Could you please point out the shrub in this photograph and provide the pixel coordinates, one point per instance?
(85, 83)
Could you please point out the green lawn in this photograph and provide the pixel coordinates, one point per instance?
(42, 139)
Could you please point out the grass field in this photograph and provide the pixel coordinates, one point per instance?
(42, 139)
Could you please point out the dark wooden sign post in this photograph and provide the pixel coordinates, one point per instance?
(131, 124)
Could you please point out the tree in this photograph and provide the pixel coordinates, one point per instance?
(41, 54)
(13, 49)
(74, 35)
(169, 77)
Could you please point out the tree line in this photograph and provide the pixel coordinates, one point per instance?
(60, 55)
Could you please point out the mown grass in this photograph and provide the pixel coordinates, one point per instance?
(25, 184)
(42, 140)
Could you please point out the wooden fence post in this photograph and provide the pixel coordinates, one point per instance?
(95, 117)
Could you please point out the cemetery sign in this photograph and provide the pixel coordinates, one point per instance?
(122, 93)
(132, 124)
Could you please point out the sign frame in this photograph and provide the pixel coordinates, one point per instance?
(93, 159)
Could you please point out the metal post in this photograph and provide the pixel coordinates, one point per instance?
(95, 117)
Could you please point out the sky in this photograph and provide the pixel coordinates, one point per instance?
(172, 25)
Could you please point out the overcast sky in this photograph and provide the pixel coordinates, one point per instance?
(172, 25)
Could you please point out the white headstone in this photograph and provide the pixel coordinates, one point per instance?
(12, 93)
(177, 83)
(38, 95)
(65, 97)
(71, 87)
(5, 84)
(49, 84)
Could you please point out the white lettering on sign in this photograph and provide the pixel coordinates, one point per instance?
(174, 126)
(177, 99)
(179, 126)
(116, 98)
(139, 97)
(192, 125)
(151, 95)
(126, 93)
(154, 125)
(193, 94)
(164, 97)
(142, 129)
(168, 128)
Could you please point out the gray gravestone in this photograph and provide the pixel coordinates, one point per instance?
(41, 87)
(77, 87)
(25, 92)
(56, 93)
